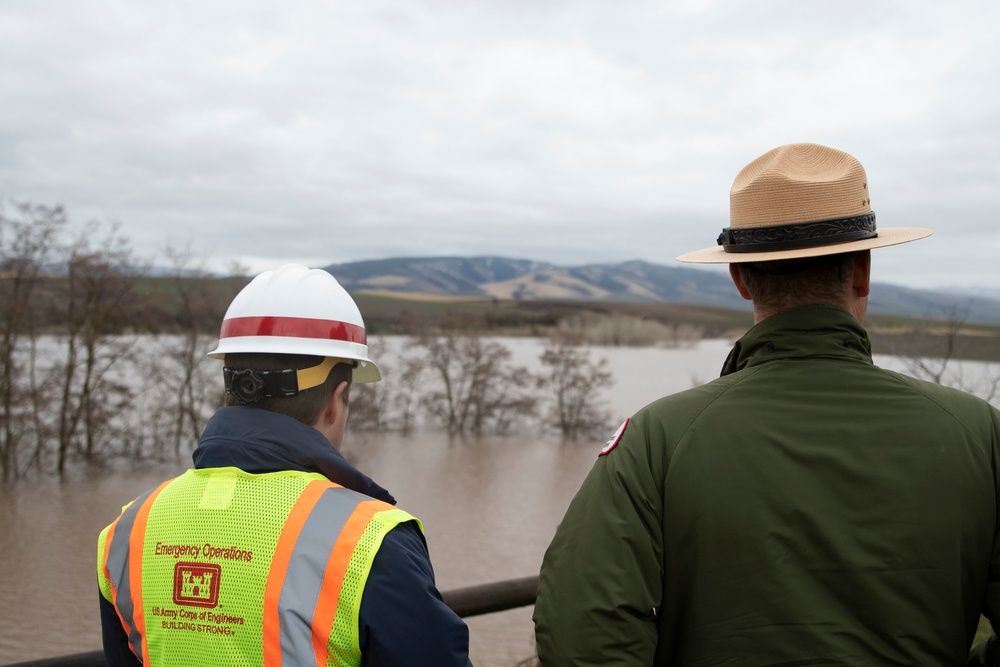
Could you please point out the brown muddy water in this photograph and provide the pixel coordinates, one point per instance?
(489, 508)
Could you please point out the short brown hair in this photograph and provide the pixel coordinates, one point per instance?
(806, 281)
(305, 406)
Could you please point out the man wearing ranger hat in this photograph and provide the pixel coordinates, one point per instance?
(274, 550)
(805, 508)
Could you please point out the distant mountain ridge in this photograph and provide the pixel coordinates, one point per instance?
(631, 281)
(444, 276)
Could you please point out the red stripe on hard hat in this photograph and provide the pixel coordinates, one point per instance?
(293, 327)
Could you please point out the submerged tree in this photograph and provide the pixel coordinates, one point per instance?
(27, 245)
(576, 384)
(931, 351)
(99, 301)
(185, 354)
(476, 391)
(369, 400)
(408, 384)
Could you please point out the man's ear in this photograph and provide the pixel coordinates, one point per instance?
(334, 404)
(734, 272)
(862, 276)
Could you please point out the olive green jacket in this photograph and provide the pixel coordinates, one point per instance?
(806, 508)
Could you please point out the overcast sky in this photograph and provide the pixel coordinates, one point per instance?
(572, 132)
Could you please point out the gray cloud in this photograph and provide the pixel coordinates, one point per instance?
(571, 132)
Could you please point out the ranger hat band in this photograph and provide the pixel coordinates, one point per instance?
(802, 235)
(800, 200)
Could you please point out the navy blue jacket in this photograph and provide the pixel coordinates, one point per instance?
(403, 620)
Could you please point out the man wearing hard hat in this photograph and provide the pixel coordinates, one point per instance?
(805, 508)
(274, 550)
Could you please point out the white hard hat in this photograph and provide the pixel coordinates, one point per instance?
(296, 310)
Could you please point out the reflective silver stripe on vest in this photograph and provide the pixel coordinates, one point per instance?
(303, 580)
(118, 564)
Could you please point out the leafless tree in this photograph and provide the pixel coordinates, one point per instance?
(369, 401)
(931, 351)
(71, 386)
(186, 353)
(99, 300)
(408, 384)
(27, 243)
(577, 384)
(477, 392)
(390, 404)
(367, 407)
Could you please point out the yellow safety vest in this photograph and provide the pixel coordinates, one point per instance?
(222, 567)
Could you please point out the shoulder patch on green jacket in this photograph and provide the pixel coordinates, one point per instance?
(613, 442)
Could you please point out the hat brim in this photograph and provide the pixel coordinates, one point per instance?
(365, 371)
(886, 237)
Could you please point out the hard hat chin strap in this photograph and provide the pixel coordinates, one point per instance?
(249, 386)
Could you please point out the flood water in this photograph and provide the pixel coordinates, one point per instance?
(489, 508)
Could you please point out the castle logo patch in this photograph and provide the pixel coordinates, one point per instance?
(197, 584)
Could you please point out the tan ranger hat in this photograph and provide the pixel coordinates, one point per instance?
(800, 200)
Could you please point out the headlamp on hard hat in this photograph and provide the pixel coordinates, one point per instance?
(249, 386)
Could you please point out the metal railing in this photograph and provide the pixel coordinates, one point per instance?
(466, 602)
